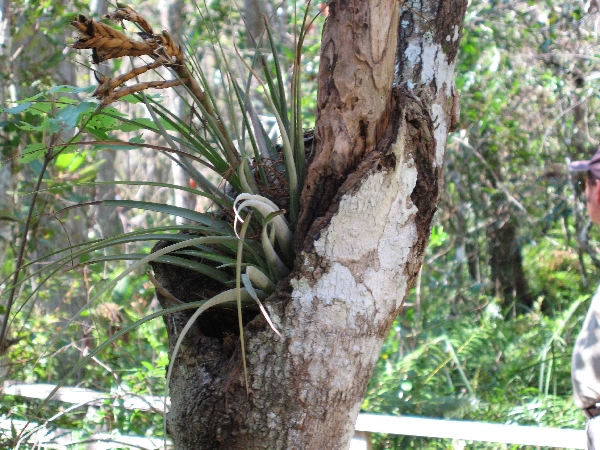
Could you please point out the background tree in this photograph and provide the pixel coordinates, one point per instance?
(486, 353)
(7, 178)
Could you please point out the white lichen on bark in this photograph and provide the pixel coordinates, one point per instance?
(435, 68)
(366, 244)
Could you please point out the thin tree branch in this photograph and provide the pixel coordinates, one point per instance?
(47, 158)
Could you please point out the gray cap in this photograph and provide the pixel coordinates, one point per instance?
(591, 165)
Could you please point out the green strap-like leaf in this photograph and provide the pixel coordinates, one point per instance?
(209, 271)
(205, 219)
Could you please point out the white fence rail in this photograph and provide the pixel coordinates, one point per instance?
(365, 424)
(84, 396)
(472, 431)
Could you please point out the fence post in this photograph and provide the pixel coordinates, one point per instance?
(361, 441)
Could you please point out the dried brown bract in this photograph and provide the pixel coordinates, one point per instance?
(124, 12)
(106, 42)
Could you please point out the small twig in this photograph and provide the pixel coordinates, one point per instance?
(137, 88)
(163, 291)
(109, 85)
(13, 289)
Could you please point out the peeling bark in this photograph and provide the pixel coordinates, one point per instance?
(354, 100)
(386, 100)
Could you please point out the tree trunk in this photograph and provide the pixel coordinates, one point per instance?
(108, 222)
(508, 275)
(171, 18)
(386, 102)
(8, 173)
(253, 18)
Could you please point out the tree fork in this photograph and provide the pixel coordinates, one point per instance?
(386, 102)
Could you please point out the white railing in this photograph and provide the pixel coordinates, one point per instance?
(83, 396)
(365, 424)
(472, 431)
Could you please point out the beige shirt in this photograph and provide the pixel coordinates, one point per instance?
(585, 367)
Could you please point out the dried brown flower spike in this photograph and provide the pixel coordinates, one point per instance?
(107, 42)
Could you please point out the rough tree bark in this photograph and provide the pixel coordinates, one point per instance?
(386, 102)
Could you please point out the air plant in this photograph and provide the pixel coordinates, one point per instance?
(244, 169)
